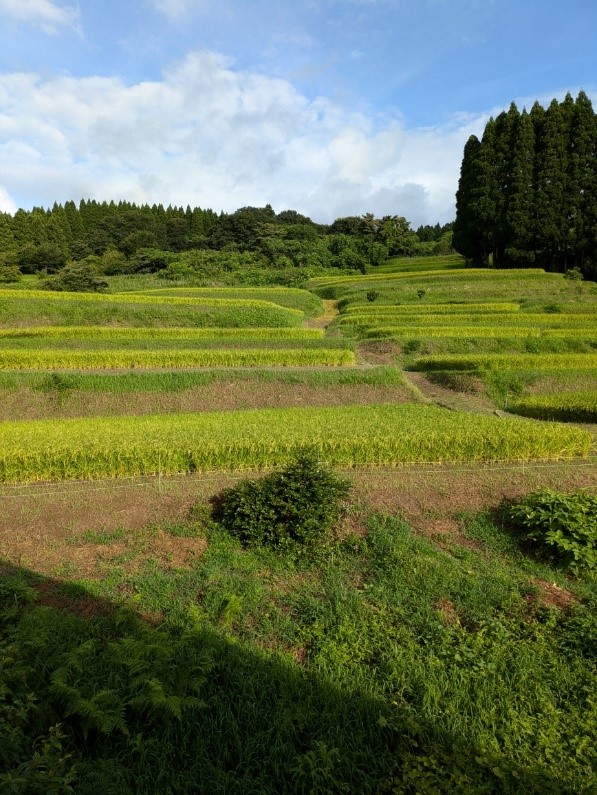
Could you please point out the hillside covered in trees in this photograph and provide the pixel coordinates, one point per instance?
(109, 239)
(527, 195)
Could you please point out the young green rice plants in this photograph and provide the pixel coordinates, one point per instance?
(113, 359)
(562, 406)
(347, 436)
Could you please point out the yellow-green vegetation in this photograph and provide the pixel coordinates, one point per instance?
(345, 436)
(134, 298)
(291, 297)
(46, 359)
(375, 308)
(522, 319)
(424, 275)
(578, 406)
(532, 290)
(139, 333)
(28, 307)
(420, 332)
(510, 361)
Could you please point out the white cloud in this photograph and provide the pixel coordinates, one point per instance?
(7, 205)
(174, 9)
(212, 136)
(49, 16)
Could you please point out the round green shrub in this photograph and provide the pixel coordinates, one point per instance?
(293, 508)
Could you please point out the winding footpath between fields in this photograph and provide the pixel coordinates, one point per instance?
(420, 385)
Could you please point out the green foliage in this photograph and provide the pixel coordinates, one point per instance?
(296, 507)
(562, 525)
(76, 277)
(574, 275)
(527, 190)
(9, 273)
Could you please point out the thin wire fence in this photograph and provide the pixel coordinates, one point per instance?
(159, 480)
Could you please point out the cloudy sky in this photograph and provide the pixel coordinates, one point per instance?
(328, 107)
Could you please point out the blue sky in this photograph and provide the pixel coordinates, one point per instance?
(329, 107)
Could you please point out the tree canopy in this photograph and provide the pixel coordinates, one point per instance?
(527, 194)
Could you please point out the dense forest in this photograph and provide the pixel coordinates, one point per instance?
(109, 238)
(527, 194)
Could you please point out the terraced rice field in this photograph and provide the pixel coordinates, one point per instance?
(345, 436)
(309, 386)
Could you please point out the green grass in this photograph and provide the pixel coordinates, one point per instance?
(36, 307)
(532, 289)
(380, 664)
(175, 381)
(418, 264)
(290, 297)
(91, 448)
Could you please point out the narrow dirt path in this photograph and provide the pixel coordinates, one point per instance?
(323, 321)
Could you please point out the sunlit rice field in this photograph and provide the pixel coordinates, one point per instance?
(578, 406)
(46, 359)
(344, 436)
(506, 361)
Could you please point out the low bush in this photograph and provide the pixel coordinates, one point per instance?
(293, 508)
(563, 525)
(9, 273)
(75, 278)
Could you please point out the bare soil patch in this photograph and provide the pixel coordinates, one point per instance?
(552, 595)
(50, 528)
(378, 352)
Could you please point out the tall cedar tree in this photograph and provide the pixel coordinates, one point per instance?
(528, 191)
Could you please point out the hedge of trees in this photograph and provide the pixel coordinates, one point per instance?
(527, 194)
(125, 238)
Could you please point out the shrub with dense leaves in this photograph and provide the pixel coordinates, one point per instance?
(293, 508)
(563, 525)
(76, 278)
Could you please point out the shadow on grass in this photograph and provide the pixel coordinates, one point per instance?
(95, 699)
